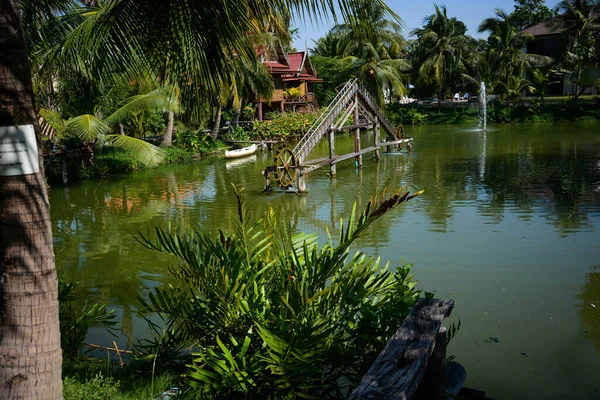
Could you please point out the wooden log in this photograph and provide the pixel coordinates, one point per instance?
(433, 384)
(398, 370)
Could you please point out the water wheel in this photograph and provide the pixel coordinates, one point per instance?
(286, 168)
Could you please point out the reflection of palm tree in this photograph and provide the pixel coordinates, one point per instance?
(590, 308)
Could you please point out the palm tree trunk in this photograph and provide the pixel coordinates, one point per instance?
(30, 354)
(235, 119)
(167, 139)
(215, 132)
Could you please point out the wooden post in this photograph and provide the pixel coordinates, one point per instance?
(260, 111)
(281, 106)
(357, 134)
(301, 184)
(376, 133)
(332, 167)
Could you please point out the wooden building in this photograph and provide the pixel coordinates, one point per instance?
(293, 76)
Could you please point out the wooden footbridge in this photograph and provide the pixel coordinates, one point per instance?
(354, 101)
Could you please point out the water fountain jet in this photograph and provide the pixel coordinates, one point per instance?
(482, 107)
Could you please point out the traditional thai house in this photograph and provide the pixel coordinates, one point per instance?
(293, 76)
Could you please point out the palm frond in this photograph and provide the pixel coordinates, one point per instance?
(87, 127)
(144, 152)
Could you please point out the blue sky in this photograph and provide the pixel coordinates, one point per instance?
(412, 12)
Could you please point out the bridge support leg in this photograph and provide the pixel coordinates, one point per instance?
(359, 162)
(376, 132)
(301, 184)
(332, 167)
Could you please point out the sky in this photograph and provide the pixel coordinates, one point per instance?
(412, 12)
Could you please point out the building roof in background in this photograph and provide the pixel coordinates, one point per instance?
(547, 28)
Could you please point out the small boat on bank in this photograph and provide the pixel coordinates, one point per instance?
(243, 152)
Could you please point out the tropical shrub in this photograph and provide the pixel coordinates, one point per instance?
(293, 92)
(284, 124)
(262, 313)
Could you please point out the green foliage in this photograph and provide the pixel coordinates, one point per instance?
(99, 379)
(75, 322)
(238, 133)
(190, 139)
(415, 116)
(529, 12)
(96, 388)
(175, 154)
(293, 92)
(284, 125)
(334, 73)
(273, 315)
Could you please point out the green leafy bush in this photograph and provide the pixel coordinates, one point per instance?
(96, 388)
(283, 125)
(175, 154)
(271, 315)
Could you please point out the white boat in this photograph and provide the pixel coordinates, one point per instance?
(243, 152)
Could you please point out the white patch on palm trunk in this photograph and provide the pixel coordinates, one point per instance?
(18, 150)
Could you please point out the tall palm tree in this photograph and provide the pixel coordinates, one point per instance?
(197, 36)
(508, 43)
(444, 41)
(577, 18)
(30, 354)
(373, 45)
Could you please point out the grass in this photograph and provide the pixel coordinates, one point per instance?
(88, 380)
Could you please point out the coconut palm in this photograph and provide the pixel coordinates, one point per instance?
(373, 46)
(508, 43)
(516, 86)
(94, 132)
(577, 18)
(443, 41)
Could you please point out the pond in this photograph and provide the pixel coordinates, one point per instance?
(508, 227)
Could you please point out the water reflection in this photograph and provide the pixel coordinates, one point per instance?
(590, 307)
(501, 209)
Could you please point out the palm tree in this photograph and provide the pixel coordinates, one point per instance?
(372, 44)
(516, 86)
(578, 18)
(197, 37)
(444, 41)
(94, 132)
(508, 43)
(30, 353)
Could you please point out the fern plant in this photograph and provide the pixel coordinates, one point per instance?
(262, 313)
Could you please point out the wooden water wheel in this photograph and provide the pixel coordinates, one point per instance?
(286, 168)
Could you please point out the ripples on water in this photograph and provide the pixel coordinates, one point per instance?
(508, 226)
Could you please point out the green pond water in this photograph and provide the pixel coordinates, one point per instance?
(508, 227)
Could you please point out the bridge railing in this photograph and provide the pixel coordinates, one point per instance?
(323, 118)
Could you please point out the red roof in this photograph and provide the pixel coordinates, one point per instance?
(296, 60)
(275, 65)
(300, 77)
